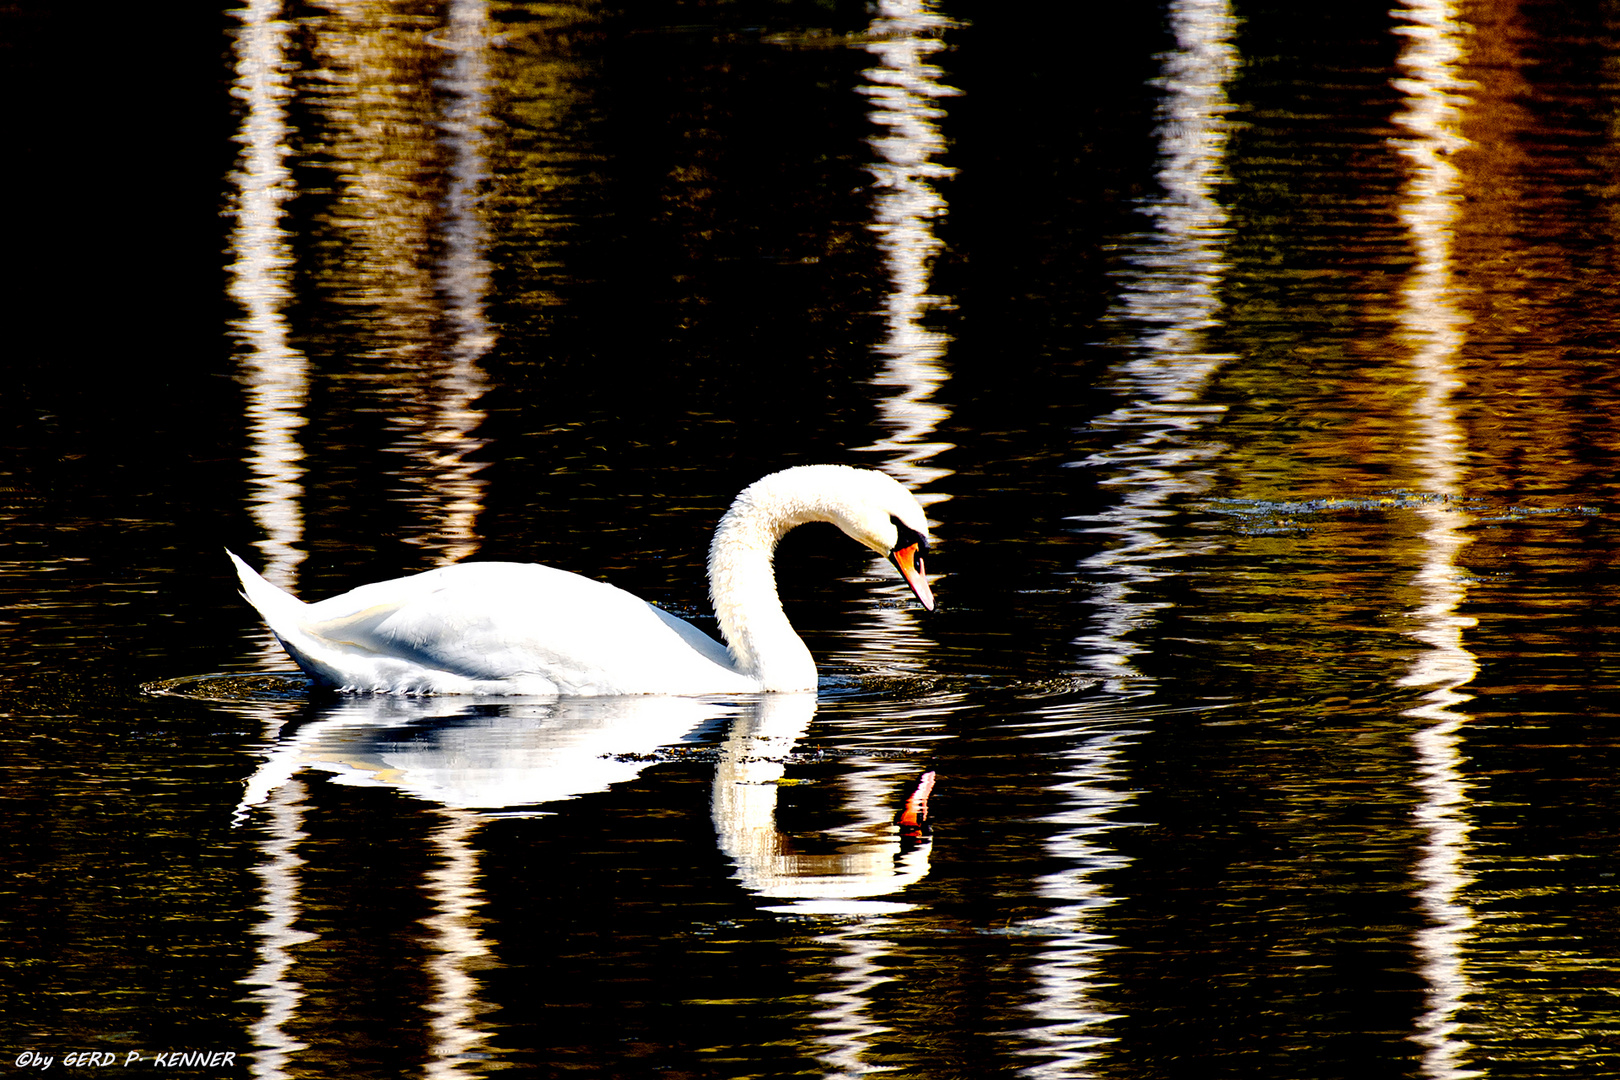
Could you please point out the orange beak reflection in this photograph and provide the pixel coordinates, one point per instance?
(909, 561)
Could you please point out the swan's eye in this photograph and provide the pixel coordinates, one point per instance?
(906, 536)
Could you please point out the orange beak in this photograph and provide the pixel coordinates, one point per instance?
(908, 560)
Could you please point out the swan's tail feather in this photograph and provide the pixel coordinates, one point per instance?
(278, 607)
(333, 652)
(283, 613)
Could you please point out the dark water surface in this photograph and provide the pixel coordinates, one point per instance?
(1257, 364)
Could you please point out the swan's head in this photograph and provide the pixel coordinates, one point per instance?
(870, 507)
(889, 520)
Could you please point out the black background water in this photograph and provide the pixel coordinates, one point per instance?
(1257, 366)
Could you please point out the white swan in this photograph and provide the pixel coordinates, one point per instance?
(519, 628)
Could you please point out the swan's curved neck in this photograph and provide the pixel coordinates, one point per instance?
(742, 585)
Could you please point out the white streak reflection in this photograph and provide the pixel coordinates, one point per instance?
(905, 91)
(276, 376)
(457, 949)
(275, 373)
(278, 934)
(858, 953)
(1433, 327)
(1065, 976)
(1169, 298)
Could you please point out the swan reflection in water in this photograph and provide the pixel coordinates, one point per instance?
(478, 759)
(879, 855)
(515, 756)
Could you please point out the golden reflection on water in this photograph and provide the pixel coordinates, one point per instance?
(446, 440)
(849, 1032)
(402, 102)
(369, 83)
(1490, 313)
(546, 100)
(403, 106)
(1536, 274)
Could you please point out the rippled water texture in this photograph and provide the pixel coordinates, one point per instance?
(1255, 363)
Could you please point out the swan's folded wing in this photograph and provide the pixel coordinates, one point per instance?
(516, 628)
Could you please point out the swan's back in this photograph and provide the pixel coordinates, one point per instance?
(493, 627)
